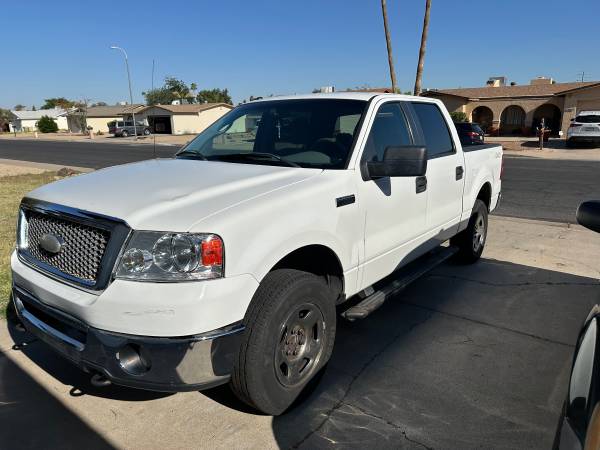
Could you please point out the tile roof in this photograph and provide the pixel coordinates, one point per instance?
(525, 90)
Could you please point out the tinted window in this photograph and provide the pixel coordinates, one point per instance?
(311, 133)
(437, 135)
(389, 129)
(588, 119)
(463, 126)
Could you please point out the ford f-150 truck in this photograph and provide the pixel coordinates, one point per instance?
(231, 261)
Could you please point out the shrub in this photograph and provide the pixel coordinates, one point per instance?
(47, 125)
(459, 116)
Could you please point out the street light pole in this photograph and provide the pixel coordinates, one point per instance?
(114, 47)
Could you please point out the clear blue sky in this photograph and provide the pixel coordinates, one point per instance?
(60, 48)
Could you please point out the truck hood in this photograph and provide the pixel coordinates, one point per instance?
(169, 194)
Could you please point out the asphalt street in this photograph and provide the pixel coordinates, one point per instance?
(533, 188)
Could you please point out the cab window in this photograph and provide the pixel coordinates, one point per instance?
(389, 129)
(435, 130)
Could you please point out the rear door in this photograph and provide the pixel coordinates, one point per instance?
(445, 170)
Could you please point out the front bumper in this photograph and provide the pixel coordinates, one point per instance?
(155, 363)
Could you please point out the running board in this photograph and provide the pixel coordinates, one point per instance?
(405, 276)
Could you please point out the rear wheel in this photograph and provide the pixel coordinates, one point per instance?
(289, 336)
(471, 241)
(146, 132)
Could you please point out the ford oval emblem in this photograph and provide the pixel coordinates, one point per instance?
(51, 243)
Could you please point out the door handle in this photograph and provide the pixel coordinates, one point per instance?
(421, 184)
(459, 172)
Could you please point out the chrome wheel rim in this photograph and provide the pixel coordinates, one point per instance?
(300, 346)
(479, 233)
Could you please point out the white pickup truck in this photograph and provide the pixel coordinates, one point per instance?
(231, 261)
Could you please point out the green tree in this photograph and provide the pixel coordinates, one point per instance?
(58, 102)
(33, 108)
(5, 118)
(99, 104)
(47, 125)
(214, 96)
(19, 107)
(459, 116)
(173, 89)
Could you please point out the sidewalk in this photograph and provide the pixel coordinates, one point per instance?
(9, 167)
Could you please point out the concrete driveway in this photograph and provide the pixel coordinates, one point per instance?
(467, 357)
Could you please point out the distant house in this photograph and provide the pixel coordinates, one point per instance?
(27, 120)
(179, 119)
(519, 109)
(98, 117)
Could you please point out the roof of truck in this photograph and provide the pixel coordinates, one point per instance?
(366, 96)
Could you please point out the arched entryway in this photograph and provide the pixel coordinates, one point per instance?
(483, 116)
(512, 120)
(551, 115)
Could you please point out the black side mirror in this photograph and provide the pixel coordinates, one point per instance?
(588, 215)
(400, 161)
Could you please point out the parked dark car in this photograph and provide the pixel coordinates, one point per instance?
(125, 128)
(579, 426)
(469, 133)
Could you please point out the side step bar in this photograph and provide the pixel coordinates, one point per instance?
(398, 281)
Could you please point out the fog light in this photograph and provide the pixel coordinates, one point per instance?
(132, 360)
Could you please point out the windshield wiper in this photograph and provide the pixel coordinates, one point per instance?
(191, 155)
(258, 156)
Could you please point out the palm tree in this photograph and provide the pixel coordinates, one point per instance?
(389, 45)
(417, 90)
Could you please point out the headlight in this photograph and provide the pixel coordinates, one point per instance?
(156, 256)
(22, 231)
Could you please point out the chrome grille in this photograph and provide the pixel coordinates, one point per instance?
(84, 245)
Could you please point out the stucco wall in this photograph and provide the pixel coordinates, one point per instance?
(529, 105)
(584, 99)
(195, 123)
(99, 123)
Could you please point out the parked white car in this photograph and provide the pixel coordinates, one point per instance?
(226, 263)
(584, 129)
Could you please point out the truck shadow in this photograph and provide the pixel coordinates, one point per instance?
(468, 356)
(31, 418)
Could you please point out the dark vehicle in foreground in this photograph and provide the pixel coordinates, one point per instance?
(125, 128)
(469, 133)
(579, 426)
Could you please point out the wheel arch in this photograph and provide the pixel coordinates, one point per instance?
(485, 194)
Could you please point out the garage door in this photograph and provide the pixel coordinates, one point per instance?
(588, 105)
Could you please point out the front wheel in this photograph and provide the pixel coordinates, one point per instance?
(124, 134)
(289, 336)
(471, 241)
(146, 132)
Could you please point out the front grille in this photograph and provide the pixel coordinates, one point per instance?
(83, 249)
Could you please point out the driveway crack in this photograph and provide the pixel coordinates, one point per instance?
(365, 366)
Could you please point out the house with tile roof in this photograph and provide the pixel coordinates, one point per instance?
(518, 109)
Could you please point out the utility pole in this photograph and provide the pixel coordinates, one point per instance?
(389, 46)
(417, 90)
(114, 47)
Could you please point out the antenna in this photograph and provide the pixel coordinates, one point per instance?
(581, 76)
(153, 133)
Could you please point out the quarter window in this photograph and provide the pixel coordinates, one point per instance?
(435, 130)
(389, 129)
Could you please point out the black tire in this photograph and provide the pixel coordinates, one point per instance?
(569, 143)
(146, 132)
(124, 133)
(471, 241)
(263, 374)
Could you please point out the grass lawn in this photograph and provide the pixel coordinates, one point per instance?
(12, 189)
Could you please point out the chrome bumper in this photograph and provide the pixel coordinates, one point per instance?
(154, 363)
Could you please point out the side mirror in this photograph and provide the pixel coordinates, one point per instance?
(588, 215)
(400, 161)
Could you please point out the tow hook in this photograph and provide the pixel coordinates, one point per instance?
(99, 380)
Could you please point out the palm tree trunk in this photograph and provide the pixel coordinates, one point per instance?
(419, 76)
(389, 45)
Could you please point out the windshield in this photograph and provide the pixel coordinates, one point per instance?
(308, 133)
(589, 118)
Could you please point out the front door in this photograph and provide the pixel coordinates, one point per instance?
(394, 212)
